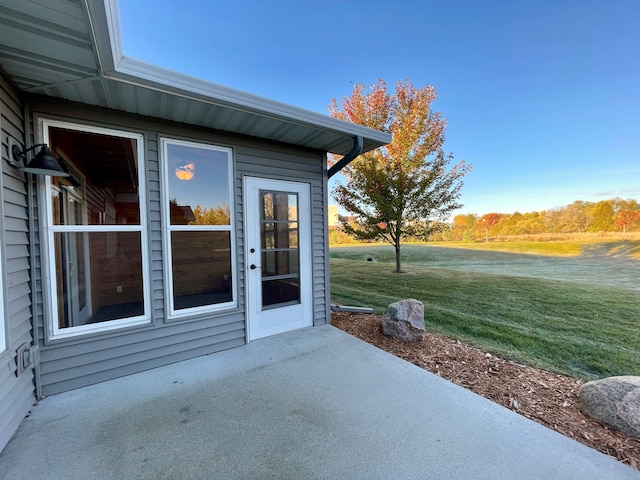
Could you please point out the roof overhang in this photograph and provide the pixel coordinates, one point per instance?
(72, 50)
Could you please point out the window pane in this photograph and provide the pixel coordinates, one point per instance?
(284, 262)
(103, 186)
(280, 254)
(201, 263)
(279, 206)
(279, 235)
(292, 211)
(199, 188)
(98, 276)
(276, 292)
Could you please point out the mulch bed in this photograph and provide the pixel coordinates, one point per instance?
(547, 398)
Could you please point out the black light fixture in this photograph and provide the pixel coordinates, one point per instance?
(43, 163)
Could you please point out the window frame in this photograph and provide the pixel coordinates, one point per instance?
(171, 312)
(49, 229)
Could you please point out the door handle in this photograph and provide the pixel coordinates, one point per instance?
(253, 266)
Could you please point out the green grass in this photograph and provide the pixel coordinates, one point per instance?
(540, 248)
(578, 329)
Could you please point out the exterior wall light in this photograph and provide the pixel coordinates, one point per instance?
(43, 163)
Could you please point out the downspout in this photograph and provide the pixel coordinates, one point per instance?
(358, 142)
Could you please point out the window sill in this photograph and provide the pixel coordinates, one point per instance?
(195, 316)
(98, 330)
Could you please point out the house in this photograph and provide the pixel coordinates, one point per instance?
(185, 217)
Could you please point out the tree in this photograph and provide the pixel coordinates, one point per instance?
(463, 227)
(627, 219)
(218, 215)
(406, 188)
(602, 220)
(488, 221)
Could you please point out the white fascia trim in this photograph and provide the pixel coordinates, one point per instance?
(191, 87)
(119, 67)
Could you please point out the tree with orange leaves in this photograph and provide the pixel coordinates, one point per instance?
(486, 222)
(405, 188)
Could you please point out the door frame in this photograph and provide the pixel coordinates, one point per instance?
(295, 316)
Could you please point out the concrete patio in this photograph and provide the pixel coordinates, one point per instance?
(310, 404)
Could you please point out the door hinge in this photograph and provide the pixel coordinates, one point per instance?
(28, 357)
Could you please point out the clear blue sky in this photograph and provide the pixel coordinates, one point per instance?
(541, 96)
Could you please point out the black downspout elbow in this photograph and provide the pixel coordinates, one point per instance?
(358, 142)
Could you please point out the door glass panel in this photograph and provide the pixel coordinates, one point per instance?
(280, 292)
(280, 263)
(279, 248)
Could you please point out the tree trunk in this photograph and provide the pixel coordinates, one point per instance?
(398, 269)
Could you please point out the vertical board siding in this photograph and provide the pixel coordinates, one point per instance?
(16, 390)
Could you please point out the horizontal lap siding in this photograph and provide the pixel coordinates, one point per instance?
(299, 166)
(73, 363)
(16, 391)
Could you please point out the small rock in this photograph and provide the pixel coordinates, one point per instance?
(614, 402)
(404, 320)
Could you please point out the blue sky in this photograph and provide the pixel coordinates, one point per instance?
(541, 96)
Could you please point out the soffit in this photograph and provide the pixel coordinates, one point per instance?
(70, 49)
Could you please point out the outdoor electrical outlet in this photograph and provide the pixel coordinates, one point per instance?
(119, 289)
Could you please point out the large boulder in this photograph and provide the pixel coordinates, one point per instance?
(614, 402)
(404, 320)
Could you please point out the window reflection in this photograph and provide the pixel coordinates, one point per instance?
(98, 273)
(197, 201)
(279, 248)
(201, 265)
(103, 181)
(202, 196)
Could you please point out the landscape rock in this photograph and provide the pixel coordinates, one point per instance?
(614, 402)
(404, 320)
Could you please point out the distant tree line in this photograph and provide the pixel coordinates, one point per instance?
(614, 215)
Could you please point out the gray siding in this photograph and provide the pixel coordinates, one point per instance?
(16, 390)
(82, 361)
(282, 164)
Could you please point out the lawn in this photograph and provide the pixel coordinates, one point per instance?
(579, 316)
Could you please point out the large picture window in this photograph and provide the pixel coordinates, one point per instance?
(96, 230)
(200, 244)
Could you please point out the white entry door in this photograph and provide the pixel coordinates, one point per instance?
(277, 256)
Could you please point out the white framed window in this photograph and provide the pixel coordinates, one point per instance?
(95, 225)
(199, 235)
